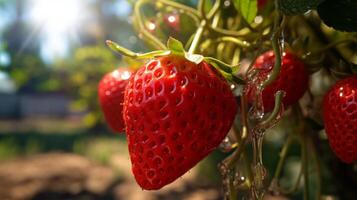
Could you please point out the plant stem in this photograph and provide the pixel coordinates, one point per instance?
(201, 9)
(276, 111)
(236, 57)
(241, 138)
(332, 45)
(305, 167)
(139, 19)
(185, 9)
(215, 9)
(283, 154)
(197, 37)
(278, 27)
(235, 41)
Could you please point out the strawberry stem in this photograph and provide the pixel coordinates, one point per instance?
(279, 24)
(139, 19)
(197, 37)
(276, 111)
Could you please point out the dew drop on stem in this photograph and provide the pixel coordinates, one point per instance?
(226, 145)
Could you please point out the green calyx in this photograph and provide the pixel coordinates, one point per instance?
(126, 52)
(175, 47)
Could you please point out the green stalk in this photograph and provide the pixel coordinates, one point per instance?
(235, 41)
(305, 168)
(276, 111)
(278, 26)
(197, 38)
(185, 9)
(139, 18)
(282, 155)
(333, 45)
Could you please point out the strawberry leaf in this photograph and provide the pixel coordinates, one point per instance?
(175, 46)
(119, 49)
(219, 64)
(195, 58)
(152, 54)
(247, 8)
(126, 52)
(340, 15)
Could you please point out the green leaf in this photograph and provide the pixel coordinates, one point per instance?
(219, 64)
(238, 80)
(119, 49)
(295, 7)
(175, 46)
(339, 14)
(195, 58)
(126, 52)
(247, 8)
(153, 54)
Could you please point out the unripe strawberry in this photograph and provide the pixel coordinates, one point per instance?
(340, 118)
(111, 96)
(176, 112)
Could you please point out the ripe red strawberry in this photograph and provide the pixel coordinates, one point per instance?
(111, 96)
(340, 118)
(262, 3)
(176, 113)
(293, 79)
(173, 21)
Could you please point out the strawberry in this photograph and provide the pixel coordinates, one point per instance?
(176, 113)
(293, 79)
(173, 21)
(340, 118)
(262, 3)
(111, 96)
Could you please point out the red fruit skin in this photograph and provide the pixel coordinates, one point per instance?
(173, 21)
(176, 113)
(293, 79)
(111, 96)
(262, 3)
(340, 118)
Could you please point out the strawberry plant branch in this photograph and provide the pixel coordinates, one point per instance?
(332, 45)
(197, 37)
(201, 9)
(236, 41)
(231, 161)
(282, 155)
(274, 185)
(201, 27)
(155, 42)
(215, 9)
(185, 9)
(318, 170)
(258, 189)
(279, 23)
(216, 19)
(305, 166)
(293, 188)
(236, 56)
(275, 113)
(323, 40)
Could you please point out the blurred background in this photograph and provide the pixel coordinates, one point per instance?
(54, 143)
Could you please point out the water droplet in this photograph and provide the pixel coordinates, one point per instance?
(226, 145)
